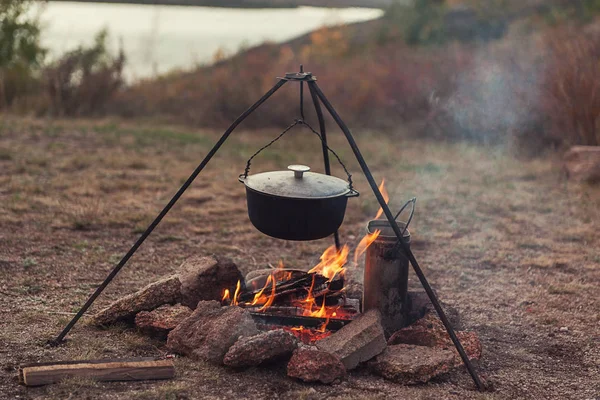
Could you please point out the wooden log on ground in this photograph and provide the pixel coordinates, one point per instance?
(134, 369)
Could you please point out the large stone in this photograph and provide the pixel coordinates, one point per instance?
(429, 331)
(209, 332)
(359, 341)
(205, 278)
(159, 322)
(164, 291)
(419, 305)
(262, 348)
(409, 364)
(582, 164)
(313, 365)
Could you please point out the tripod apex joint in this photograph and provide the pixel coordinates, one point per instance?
(299, 76)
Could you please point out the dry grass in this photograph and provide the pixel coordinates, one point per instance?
(509, 243)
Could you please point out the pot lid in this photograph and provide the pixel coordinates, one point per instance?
(297, 183)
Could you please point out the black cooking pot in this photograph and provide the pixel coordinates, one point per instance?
(296, 204)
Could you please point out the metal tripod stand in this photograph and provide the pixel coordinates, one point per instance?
(318, 98)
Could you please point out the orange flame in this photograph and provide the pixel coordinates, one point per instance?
(259, 298)
(271, 297)
(364, 244)
(226, 296)
(332, 262)
(385, 195)
(323, 326)
(321, 312)
(310, 300)
(236, 295)
(281, 274)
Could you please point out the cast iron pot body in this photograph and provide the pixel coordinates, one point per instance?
(296, 204)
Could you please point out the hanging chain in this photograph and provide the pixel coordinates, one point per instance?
(247, 169)
(332, 152)
(304, 123)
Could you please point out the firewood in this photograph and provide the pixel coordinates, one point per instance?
(134, 369)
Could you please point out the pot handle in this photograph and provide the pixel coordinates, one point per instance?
(352, 193)
(286, 130)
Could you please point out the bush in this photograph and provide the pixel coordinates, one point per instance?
(83, 80)
(571, 86)
(21, 55)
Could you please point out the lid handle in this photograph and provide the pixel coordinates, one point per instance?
(299, 170)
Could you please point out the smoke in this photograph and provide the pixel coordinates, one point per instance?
(497, 96)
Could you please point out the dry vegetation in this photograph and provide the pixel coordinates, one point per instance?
(509, 243)
(529, 89)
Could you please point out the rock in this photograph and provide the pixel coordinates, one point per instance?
(313, 365)
(164, 291)
(159, 322)
(582, 164)
(409, 364)
(419, 305)
(209, 332)
(358, 341)
(262, 348)
(429, 331)
(205, 278)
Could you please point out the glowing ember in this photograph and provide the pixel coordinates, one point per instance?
(307, 335)
(385, 195)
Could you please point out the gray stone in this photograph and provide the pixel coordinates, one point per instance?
(582, 164)
(419, 305)
(429, 331)
(310, 364)
(205, 278)
(262, 348)
(209, 332)
(164, 291)
(409, 364)
(160, 321)
(359, 341)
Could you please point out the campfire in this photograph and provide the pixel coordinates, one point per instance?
(311, 305)
(210, 311)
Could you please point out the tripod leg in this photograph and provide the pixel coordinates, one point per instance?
(315, 99)
(390, 218)
(164, 212)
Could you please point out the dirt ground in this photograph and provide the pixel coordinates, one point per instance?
(509, 243)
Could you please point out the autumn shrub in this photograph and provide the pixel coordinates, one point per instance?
(372, 86)
(83, 80)
(21, 54)
(571, 86)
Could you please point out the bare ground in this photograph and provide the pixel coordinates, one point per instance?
(509, 243)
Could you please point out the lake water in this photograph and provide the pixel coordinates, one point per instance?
(158, 38)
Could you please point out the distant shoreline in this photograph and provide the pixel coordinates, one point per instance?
(382, 4)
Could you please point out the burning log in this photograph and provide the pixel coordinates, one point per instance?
(295, 320)
(295, 288)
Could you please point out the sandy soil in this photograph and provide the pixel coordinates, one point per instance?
(509, 243)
